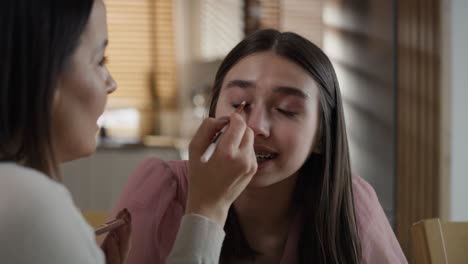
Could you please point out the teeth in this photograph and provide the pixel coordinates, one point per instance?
(264, 155)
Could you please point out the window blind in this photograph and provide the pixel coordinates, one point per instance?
(300, 16)
(142, 60)
(269, 14)
(303, 17)
(164, 60)
(219, 27)
(130, 52)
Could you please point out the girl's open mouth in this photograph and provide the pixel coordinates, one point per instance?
(265, 156)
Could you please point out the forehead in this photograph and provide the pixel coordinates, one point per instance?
(267, 69)
(96, 28)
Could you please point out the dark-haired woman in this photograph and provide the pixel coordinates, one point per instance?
(53, 87)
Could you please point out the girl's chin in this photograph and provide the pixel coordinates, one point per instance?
(261, 180)
(264, 164)
(86, 149)
(255, 183)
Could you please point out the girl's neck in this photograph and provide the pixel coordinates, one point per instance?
(266, 210)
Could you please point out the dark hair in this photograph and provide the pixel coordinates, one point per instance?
(38, 38)
(329, 230)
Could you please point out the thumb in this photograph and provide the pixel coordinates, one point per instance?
(205, 133)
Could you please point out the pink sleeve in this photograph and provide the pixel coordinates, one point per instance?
(155, 196)
(378, 241)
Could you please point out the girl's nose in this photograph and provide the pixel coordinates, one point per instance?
(258, 121)
(111, 84)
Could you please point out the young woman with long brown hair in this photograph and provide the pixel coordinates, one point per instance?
(302, 205)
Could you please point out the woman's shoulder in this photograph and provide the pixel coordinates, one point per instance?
(16, 174)
(24, 187)
(34, 209)
(25, 192)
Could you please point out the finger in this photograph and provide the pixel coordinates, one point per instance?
(246, 147)
(205, 133)
(233, 135)
(123, 233)
(247, 140)
(111, 249)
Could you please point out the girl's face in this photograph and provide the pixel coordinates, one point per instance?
(282, 110)
(82, 91)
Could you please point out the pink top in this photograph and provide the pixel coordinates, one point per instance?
(156, 193)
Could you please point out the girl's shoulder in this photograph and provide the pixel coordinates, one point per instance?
(362, 190)
(155, 180)
(378, 241)
(366, 203)
(155, 195)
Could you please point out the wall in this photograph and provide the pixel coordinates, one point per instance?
(418, 114)
(359, 39)
(193, 74)
(96, 182)
(454, 205)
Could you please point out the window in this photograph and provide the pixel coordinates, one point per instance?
(142, 61)
(303, 17)
(219, 27)
(300, 16)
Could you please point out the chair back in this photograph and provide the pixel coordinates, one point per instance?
(435, 241)
(96, 218)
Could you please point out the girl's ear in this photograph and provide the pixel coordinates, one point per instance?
(56, 99)
(317, 147)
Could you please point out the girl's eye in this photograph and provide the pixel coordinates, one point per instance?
(103, 61)
(237, 105)
(286, 113)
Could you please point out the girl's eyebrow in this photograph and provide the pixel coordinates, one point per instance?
(102, 46)
(287, 90)
(284, 90)
(241, 84)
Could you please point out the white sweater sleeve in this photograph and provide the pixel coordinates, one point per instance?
(198, 241)
(40, 223)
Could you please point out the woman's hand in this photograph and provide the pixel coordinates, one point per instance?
(213, 186)
(117, 243)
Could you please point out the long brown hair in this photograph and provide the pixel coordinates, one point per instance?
(324, 186)
(38, 38)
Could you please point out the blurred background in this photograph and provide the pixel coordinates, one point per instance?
(402, 67)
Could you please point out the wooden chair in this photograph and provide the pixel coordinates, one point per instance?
(96, 218)
(435, 241)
